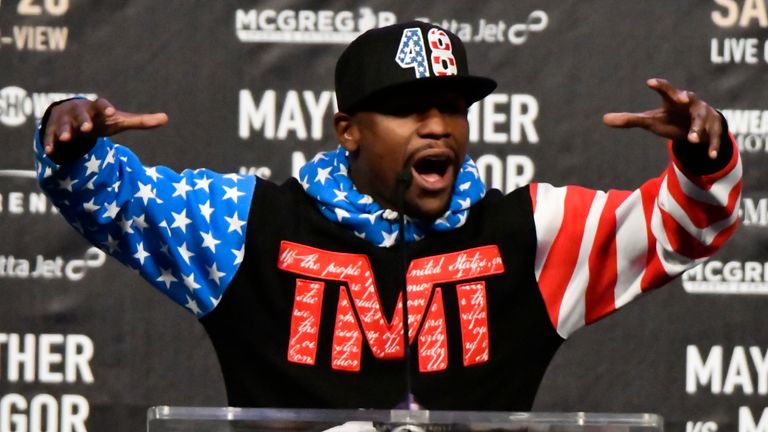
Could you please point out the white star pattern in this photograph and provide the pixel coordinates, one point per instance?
(110, 159)
(91, 206)
(192, 306)
(92, 165)
(232, 193)
(371, 217)
(341, 213)
(166, 277)
(389, 239)
(239, 254)
(140, 254)
(235, 224)
(185, 253)
(111, 210)
(145, 192)
(164, 249)
(140, 222)
(323, 174)
(462, 218)
(67, 183)
(203, 183)
(209, 242)
(111, 244)
(368, 217)
(125, 226)
(187, 235)
(214, 274)
(181, 188)
(152, 173)
(180, 220)
(340, 196)
(206, 210)
(189, 281)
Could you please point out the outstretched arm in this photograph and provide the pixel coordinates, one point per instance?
(183, 232)
(599, 250)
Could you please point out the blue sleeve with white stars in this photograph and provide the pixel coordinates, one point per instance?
(183, 232)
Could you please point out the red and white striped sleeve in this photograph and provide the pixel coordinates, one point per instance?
(597, 250)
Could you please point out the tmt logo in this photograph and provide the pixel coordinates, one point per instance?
(361, 304)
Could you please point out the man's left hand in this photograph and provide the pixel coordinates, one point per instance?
(682, 116)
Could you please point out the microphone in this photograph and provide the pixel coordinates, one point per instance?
(404, 179)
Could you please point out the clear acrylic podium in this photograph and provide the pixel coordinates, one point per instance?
(188, 419)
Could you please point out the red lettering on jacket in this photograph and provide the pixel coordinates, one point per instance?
(385, 337)
(347, 339)
(305, 321)
(433, 339)
(474, 322)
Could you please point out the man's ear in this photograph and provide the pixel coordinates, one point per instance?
(346, 131)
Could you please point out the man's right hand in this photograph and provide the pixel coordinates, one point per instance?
(85, 120)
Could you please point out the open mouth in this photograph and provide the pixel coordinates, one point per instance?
(433, 170)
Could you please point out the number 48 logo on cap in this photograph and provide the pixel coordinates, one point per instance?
(411, 53)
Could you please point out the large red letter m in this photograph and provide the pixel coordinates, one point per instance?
(385, 337)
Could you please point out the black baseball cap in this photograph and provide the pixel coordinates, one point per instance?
(403, 58)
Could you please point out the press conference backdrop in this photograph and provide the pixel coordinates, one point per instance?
(85, 344)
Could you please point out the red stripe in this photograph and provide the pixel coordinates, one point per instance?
(600, 299)
(686, 244)
(561, 260)
(655, 275)
(702, 214)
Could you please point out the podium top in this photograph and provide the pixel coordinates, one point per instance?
(192, 419)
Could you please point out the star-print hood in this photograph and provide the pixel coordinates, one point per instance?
(325, 179)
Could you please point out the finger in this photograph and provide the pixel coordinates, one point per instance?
(715, 131)
(141, 121)
(104, 107)
(628, 120)
(82, 119)
(64, 129)
(48, 139)
(697, 129)
(668, 92)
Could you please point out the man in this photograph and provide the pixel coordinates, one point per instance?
(298, 285)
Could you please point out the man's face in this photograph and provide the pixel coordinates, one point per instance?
(425, 132)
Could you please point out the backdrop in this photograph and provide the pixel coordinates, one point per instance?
(87, 345)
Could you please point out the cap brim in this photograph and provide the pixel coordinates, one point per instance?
(471, 88)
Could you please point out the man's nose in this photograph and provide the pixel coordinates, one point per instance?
(433, 124)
